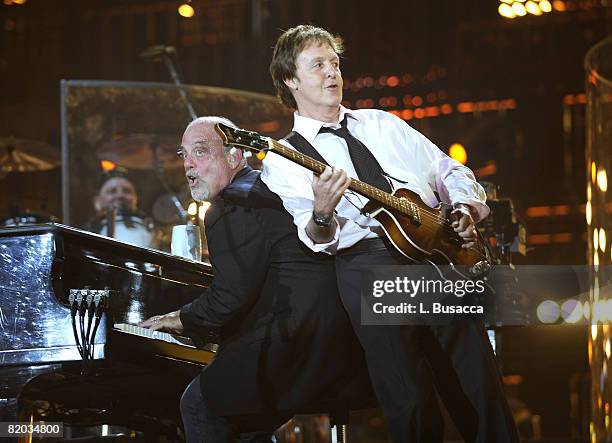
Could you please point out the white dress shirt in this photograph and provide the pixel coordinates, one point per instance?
(406, 155)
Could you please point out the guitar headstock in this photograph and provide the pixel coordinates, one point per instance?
(240, 138)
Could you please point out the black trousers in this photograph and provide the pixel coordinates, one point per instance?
(406, 362)
(201, 424)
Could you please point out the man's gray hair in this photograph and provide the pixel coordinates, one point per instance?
(213, 119)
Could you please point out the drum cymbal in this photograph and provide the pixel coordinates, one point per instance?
(140, 151)
(22, 155)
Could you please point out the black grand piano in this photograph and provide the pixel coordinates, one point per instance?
(40, 366)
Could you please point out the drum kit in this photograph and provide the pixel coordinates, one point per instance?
(22, 155)
(155, 152)
(134, 151)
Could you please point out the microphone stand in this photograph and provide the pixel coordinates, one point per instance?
(159, 172)
(177, 81)
(155, 54)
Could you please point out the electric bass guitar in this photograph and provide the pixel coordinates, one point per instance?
(418, 232)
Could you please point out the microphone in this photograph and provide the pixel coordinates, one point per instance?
(155, 52)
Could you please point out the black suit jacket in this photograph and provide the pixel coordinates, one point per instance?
(286, 343)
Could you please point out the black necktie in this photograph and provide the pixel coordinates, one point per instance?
(367, 167)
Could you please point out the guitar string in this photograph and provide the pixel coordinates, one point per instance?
(424, 227)
(445, 224)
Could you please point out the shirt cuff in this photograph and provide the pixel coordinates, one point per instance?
(329, 247)
(478, 210)
(186, 316)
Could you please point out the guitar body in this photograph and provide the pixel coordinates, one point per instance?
(428, 240)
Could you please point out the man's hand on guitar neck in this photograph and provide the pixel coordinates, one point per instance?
(464, 224)
(327, 189)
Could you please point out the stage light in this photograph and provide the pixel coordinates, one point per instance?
(602, 240)
(559, 5)
(186, 10)
(192, 209)
(505, 10)
(602, 180)
(457, 152)
(107, 165)
(599, 312)
(595, 239)
(465, 107)
(593, 171)
(513, 8)
(593, 332)
(533, 8)
(586, 310)
(548, 312)
(407, 114)
(588, 213)
(608, 310)
(432, 111)
(519, 9)
(419, 113)
(571, 311)
(393, 81)
(202, 210)
(545, 6)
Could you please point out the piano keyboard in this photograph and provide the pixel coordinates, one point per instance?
(157, 335)
(161, 344)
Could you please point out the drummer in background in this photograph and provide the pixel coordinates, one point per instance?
(117, 200)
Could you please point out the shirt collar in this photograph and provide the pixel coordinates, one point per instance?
(309, 127)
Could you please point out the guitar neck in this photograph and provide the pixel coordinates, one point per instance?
(358, 186)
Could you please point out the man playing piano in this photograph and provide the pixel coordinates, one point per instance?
(285, 340)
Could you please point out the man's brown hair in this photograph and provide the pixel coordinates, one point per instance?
(288, 47)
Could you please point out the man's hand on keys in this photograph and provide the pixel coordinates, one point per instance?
(170, 322)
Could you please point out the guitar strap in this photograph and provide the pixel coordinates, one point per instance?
(302, 145)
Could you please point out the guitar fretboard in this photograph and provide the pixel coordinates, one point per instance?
(403, 205)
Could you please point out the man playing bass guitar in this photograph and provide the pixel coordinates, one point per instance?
(380, 149)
